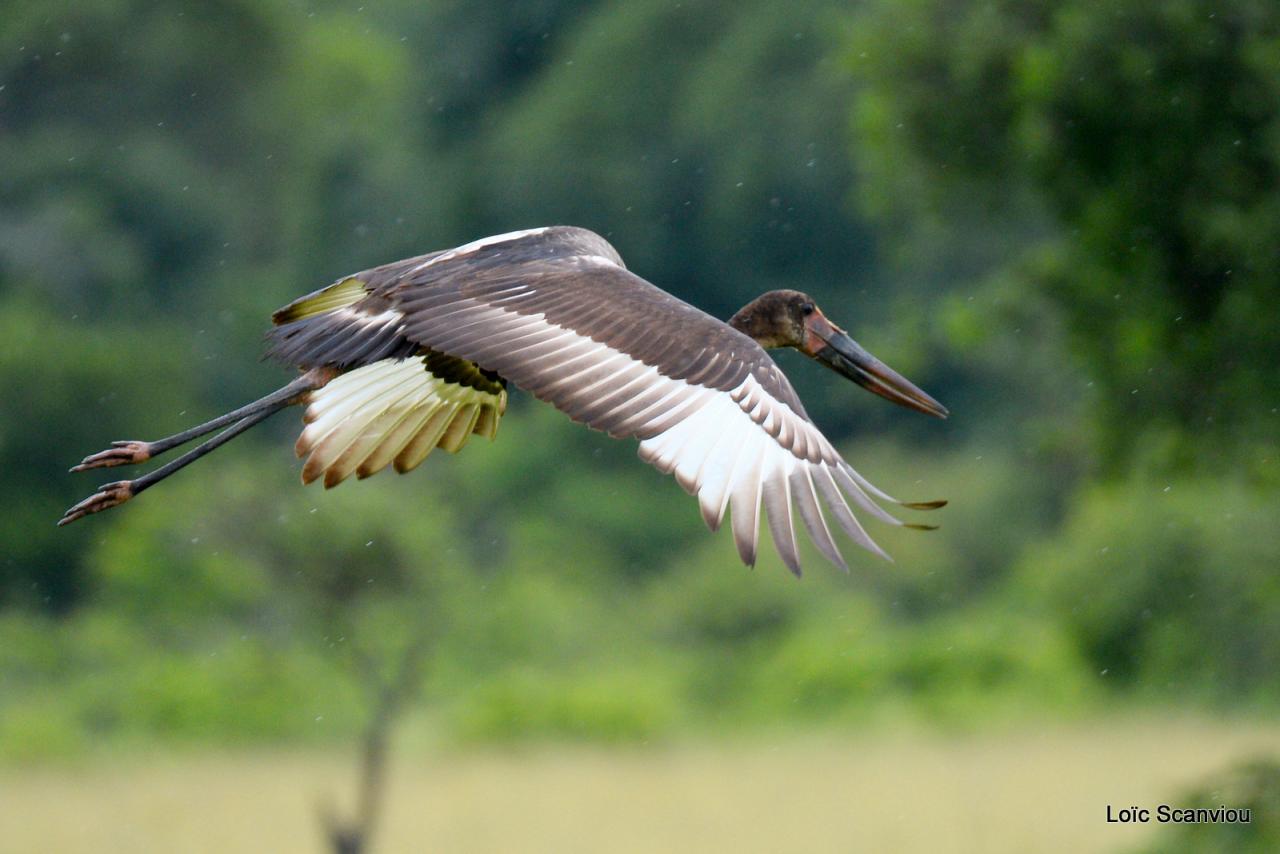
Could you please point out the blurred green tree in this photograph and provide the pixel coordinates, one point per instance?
(172, 173)
(1129, 151)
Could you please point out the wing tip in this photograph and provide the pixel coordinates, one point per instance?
(365, 470)
(404, 466)
(925, 505)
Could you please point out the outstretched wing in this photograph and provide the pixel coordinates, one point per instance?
(555, 311)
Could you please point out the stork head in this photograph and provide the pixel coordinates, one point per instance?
(791, 319)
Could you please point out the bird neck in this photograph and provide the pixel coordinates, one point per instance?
(740, 321)
(754, 322)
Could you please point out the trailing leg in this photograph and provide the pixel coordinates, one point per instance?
(116, 493)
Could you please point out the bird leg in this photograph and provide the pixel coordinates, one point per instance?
(132, 452)
(118, 492)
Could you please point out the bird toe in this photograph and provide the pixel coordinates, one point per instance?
(125, 453)
(109, 495)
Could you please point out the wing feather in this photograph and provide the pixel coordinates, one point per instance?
(806, 501)
(844, 516)
(776, 491)
(425, 440)
(715, 477)
(744, 498)
(397, 438)
(391, 412)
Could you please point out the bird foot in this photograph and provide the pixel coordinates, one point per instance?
(119, 454)
(108, 495)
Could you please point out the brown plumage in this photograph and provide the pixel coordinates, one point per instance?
(410, 356)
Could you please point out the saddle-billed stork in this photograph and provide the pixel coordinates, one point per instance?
(416, 355)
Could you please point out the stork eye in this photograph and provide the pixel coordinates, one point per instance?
(808, 308)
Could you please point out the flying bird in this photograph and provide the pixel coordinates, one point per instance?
(415, 355)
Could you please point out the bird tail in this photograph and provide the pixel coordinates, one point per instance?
(133, 452)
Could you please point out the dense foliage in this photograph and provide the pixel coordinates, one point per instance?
(1135, 148)
(1059, 218)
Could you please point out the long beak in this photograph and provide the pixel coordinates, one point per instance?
(833, 347)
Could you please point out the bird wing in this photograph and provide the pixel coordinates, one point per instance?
(396, 411)
(554, 311)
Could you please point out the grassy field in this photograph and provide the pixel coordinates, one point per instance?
(1025, 791)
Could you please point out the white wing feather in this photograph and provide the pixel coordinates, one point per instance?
(392, 411)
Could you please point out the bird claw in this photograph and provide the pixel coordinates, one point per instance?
(126, 453)
(108, 495)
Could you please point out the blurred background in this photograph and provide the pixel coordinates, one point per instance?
(1060, 218)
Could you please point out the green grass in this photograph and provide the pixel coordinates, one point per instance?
(1023, 790)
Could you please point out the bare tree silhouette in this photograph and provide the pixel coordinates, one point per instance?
(389, 695)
